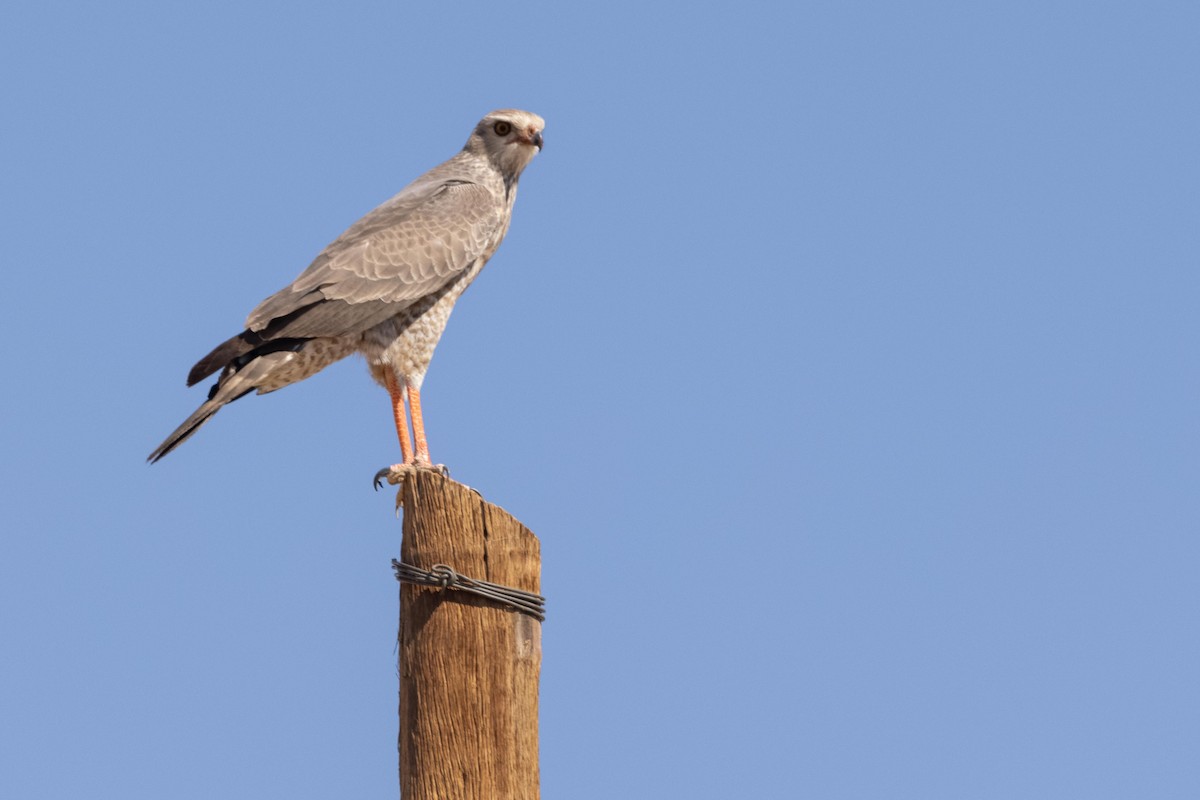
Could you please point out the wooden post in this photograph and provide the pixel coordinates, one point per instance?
(469, 668)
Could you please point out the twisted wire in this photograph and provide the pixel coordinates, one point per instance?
(444, 577)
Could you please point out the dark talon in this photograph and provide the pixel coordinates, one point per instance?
(379, 477)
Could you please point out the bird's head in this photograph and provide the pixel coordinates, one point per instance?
(508, 138)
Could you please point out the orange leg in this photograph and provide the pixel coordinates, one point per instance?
(393, 387)
(418, 422)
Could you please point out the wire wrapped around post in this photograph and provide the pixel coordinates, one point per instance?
(445, 577)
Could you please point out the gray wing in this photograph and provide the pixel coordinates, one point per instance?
(408, 248)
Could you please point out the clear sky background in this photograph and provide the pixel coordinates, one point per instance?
(842, 355)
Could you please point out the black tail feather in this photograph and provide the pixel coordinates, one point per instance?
(244, 369)
(181, 434)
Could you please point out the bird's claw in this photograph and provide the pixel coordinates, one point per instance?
(396, 473)
(380, 477)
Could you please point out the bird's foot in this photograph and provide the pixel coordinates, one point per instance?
(396, 473)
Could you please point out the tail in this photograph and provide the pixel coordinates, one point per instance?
(244, 374)
(230, 387)
(192, 424)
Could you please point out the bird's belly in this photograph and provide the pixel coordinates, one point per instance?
(406, 342)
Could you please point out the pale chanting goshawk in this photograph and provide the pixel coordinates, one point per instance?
(384, 288)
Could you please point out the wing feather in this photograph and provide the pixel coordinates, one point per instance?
(408, 248)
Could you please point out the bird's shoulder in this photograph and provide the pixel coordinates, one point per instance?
(437, 224)
(432, 230)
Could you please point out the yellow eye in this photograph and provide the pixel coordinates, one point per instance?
(502, 128)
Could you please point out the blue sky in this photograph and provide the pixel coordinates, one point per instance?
(842, 355)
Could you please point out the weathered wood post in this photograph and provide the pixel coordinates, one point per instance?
(469, 668)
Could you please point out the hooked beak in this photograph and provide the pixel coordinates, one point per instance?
(535, 138)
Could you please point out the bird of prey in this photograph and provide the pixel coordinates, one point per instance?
(384, 288)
